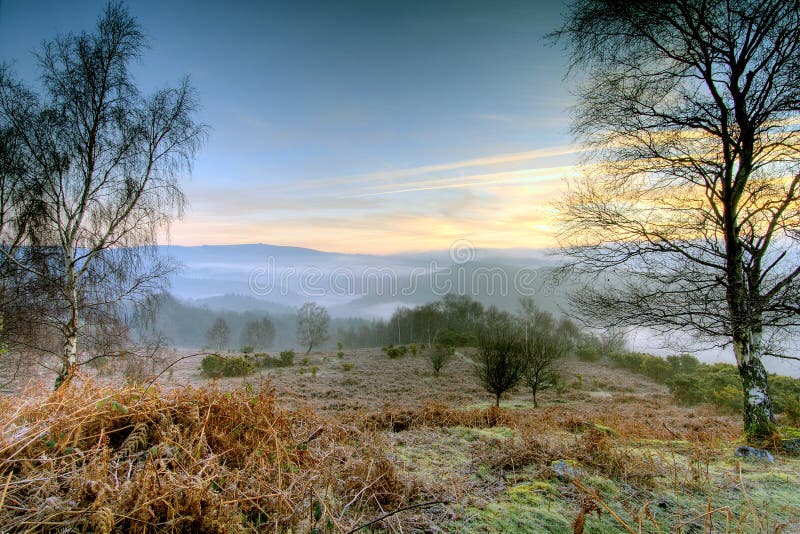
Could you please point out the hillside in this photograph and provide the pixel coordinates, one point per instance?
(330, 444)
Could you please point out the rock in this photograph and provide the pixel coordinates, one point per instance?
(752, 453)
(791, 445)
(567, 470)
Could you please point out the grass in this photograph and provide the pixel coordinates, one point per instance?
(337, 452)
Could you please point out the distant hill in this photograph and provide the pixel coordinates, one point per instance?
(259, 277)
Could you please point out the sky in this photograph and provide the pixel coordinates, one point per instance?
(352, 126)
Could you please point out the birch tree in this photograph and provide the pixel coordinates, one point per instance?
(688, 211)
(101, 169)
(312, 325)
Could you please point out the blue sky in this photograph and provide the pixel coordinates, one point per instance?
(355, 126)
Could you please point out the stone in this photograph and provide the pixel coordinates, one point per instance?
(752, 453)
(567, 470)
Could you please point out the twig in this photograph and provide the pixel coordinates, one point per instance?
(674, 435)
(390, 514)
(5, 489)
(165, 369)
(593, 494)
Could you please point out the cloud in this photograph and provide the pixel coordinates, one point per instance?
(498, 208)
(485, 161)
(527, 175)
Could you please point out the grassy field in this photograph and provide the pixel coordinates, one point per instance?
(332, 444)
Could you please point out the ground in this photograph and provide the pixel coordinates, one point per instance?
(679, 470)
(608, 451)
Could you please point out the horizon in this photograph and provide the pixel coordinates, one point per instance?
(356, 127)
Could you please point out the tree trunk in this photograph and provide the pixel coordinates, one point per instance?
(759, 421)
(497, 400)
(746, 329)
(535, 404)
(69, 358)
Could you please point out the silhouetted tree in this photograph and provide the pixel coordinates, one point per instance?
(99, 181)
(500, 361)
(690, 210)
(544, 341)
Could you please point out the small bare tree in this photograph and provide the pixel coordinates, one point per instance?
(544, 342)
(218, 334)
(499, 362)
(312, 325)
(99, 178)
(258, 333)
(690, 203)
(542, 352)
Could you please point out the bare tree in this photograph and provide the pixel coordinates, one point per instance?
(689, 203)
(258, 333)
(312, 325)
(499, 362)
(219, 334)
(101, 164)
(544, 342)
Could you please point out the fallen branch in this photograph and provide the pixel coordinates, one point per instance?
(390, 514)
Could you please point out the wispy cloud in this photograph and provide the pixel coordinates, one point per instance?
(423, 170)
(527, 175)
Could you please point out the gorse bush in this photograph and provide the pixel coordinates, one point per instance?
(394, 352)
(263, 359)
(588, 353)
(455, 338)
(216, 366)
(439, 356)
(287, 358)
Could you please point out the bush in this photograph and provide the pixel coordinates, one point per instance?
(247, 349)
(287, 358)
(394, 352)
(588, 353)
(656, 368)
(216, 366)
(347, 367)
(439, 356)
(454, 338)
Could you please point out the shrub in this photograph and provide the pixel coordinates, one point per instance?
(588, 353)
(683, 363)
(455, 338)
(263, 359)
(414, 349)
(287, 358)
(394, 352)
(247, 349)
(439, 356)
(656, 368)
(216, 366)
(347, 367)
